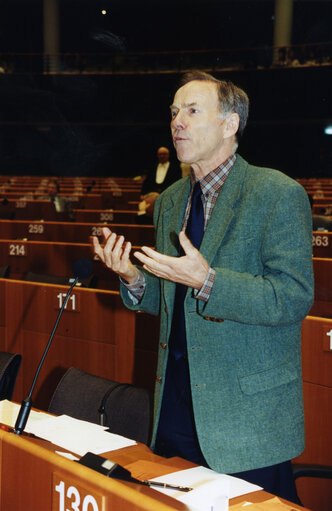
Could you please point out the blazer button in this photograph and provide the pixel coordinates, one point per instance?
(166, 310)
(159, 379)
(163, 345)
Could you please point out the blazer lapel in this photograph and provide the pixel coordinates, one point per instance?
(173, 216)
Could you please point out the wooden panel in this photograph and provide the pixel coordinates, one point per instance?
(318, 424)
(317, 396)
(323, 287)
(322, 244)
(118, 199)
(29, 466)
(72, 232)
(28, 476)
(96, 334)
(3, 304)
(85, 354)
(53, 259)
(317, 351)
(317, 495)
(100, 215)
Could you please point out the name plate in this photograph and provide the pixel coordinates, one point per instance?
(73, 304)
(68, 495)
(17, 249)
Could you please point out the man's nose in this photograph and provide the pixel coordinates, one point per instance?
(178, 121)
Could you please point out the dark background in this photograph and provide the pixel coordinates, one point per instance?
(104, 124)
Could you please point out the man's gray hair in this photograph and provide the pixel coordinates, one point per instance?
(232, 98)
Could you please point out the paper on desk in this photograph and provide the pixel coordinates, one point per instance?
(9, 412)
(274, 504)
(79, 436)
(209, 487)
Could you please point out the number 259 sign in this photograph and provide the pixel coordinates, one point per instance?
(73, 497)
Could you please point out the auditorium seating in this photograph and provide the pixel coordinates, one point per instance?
(52, 258)
(97, 334)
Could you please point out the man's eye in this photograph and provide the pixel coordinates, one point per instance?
(173, 114)
(193, 110)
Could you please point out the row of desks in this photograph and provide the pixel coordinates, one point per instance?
(80, 232)
(98, 335)
(74, 232)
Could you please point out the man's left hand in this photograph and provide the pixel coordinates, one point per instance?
(190, 269)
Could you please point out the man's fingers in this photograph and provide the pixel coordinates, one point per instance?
(97, 248)
(142, 257)
(186, 244)
(106, 232)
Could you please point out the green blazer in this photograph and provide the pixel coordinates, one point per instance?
(244, 344)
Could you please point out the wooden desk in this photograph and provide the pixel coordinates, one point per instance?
(73, 232)
(322, 305)
(317, 396)
(322, 244)
(33, 477)
(96, 334)
(53, 258)
(119, 216)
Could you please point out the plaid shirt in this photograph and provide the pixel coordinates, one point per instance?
(211, 186)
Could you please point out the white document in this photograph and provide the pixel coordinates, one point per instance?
(72, 434)
(79, 436)
(9, 412)
(211, 490)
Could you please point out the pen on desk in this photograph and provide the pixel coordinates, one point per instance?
(167, 486)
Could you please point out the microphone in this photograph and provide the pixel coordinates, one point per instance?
(82, 269)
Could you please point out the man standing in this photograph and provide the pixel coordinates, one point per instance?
(231, 278)
(164, 175)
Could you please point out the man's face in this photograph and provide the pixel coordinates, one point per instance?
(197, 124)
(163, 155)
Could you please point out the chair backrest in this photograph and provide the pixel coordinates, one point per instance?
(9, 367)
(127, 409)
(4, 271)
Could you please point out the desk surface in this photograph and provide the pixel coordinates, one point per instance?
(46, 452)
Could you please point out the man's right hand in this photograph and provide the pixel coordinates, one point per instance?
(115, 255)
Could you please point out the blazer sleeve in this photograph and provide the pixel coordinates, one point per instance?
(282, 293)
(151, 299)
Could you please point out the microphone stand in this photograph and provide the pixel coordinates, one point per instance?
(26, 405)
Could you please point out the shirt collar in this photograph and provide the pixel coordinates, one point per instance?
(214, 180)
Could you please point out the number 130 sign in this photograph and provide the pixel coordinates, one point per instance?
(73, 497)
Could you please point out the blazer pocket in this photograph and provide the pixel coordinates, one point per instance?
(268, 379)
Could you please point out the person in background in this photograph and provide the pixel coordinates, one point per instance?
(160, 178)
(320, 222)
(62, 204)
(163, 175)
(231, 278)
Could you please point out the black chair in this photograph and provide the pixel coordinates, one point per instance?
(124, 408)
(4, 272)
(308, 470)
(9, 367)
(30, 276)
(311, 471)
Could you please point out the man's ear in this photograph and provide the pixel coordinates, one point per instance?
(231, 125)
